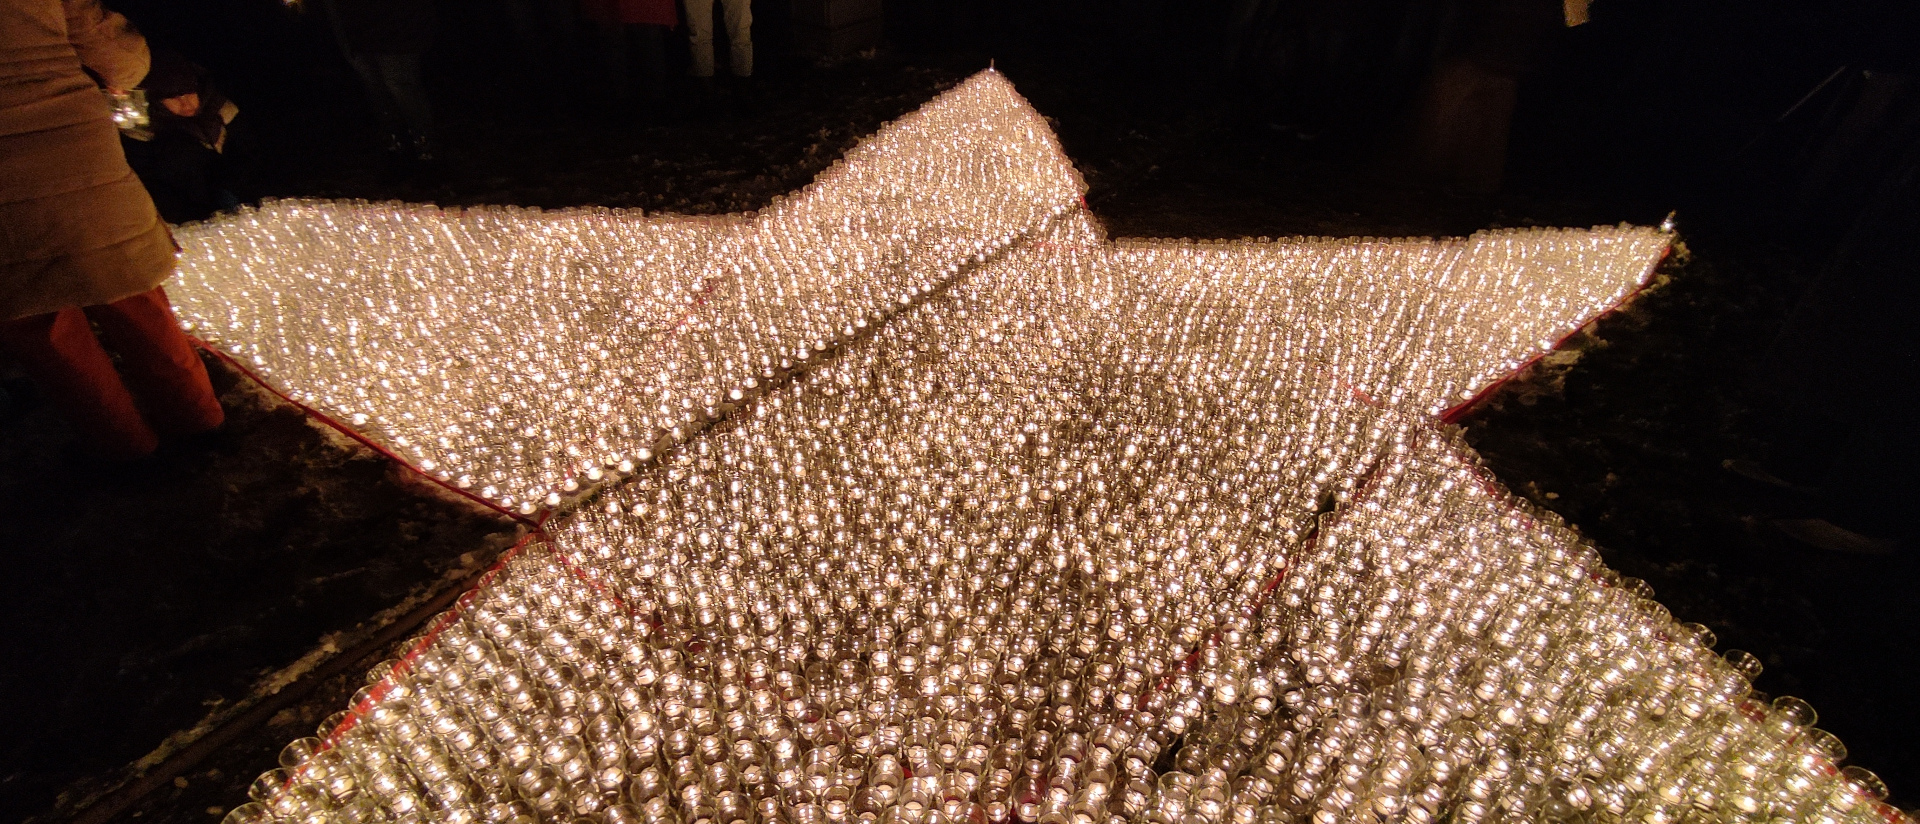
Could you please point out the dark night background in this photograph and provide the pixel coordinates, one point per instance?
(1701, 436)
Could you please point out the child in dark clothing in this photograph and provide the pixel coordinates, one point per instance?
(183, 159)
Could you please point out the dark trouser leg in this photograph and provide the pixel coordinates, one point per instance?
(158, 363)
(610, 41)
(373, 81)
(650, 45)
(59, 352)
(401, 73)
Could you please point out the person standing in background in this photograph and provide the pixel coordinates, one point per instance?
(739, 16)
(625, 29)
(80, 241)
(1466, 112)
(383, 41)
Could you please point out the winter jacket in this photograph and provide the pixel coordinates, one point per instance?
(76, 227)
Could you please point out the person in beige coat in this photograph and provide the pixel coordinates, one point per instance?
(80, 242)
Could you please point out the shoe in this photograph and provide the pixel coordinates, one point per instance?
(705, 101)
(17, 397)
(424, 167)
(1753, 471)
(218, 439)
(117, 472)
(653, 113)
(420, 149)
(746, 94)
(396, 161)
(1823, 534)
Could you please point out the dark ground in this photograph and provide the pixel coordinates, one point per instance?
(152, 599)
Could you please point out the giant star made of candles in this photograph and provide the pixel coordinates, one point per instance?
(913, 499)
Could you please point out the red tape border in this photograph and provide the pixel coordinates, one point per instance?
(533, 523)
(1455, 413)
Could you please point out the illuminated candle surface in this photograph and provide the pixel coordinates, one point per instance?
(913, 498)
